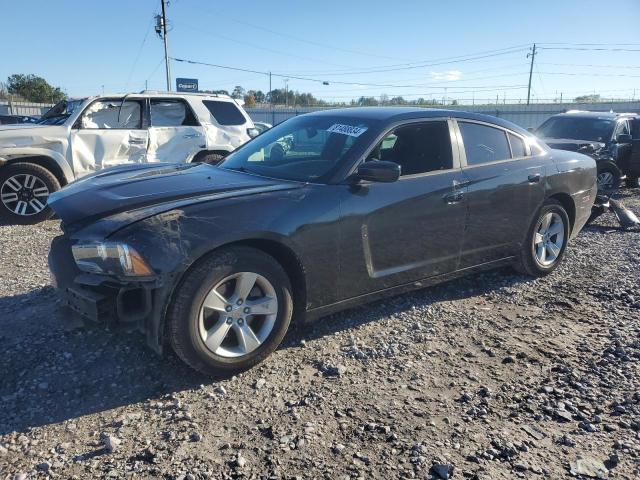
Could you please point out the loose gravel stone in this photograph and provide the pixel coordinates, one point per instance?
(386, 390)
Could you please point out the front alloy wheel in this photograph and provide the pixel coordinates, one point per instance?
(230, 311)
(238, 314)
(24, 191)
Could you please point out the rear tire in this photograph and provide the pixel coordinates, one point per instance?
(207, 306)
(544, 247)
(24, 191)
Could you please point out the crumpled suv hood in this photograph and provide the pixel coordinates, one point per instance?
(129, 187)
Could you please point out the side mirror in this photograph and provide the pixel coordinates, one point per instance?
(623, 138)
(379, 171)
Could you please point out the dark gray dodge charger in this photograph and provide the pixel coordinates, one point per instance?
(322, 212)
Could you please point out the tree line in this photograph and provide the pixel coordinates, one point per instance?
(32, 88)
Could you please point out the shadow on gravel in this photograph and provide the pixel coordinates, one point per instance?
(51, 374)
(472, 285)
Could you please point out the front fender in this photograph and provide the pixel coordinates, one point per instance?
(56, 154)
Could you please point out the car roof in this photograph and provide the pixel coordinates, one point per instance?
(159, 93)
(590, 114)
(393, 114)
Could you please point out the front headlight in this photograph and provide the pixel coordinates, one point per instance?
(111, 259)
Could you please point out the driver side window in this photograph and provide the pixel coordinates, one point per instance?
(418, 148)
(112, 114)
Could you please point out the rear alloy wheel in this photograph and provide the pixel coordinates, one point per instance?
(608, 177)
(24, 191)
(546, 241)
(230, 311)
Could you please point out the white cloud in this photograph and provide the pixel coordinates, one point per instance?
(447, 76)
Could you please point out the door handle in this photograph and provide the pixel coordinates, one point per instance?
(137, 141)
(534, 178)
(192, 135)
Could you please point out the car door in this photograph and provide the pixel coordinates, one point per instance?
(505, 189)
(175, 135)
(108, 132)
(400, 232)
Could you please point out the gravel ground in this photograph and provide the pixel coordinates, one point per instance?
(494, 376)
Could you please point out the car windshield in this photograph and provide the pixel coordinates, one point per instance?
(593, 129)
(305, 148)
(59, 113)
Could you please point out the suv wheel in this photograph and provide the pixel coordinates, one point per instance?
(608, 176)
(231, 311)
(546, 241)
(24, 191)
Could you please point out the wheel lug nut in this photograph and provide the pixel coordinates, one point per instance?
(240, 321)
(229, 320)
(247, 309)
(228, 308)
(239, 302)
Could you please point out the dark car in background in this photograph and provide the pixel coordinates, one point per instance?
(612, 139)
(16, 119)
(216, 261)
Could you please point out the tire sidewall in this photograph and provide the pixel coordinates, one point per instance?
(220, 266)
(554, 207)
(43, 175)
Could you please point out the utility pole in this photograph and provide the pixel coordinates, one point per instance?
(533, 56)
(161, 30)
(286, 92)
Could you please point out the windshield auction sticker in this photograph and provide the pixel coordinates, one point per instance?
(347, 130)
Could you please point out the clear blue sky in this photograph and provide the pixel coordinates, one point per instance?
(82, 46)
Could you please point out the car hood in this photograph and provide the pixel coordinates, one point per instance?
(573, 145)
(28, 135)
(150, 189)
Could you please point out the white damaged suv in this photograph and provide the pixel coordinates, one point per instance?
(77, 137)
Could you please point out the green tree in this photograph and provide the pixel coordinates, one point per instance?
(238, 92)
(34, 88)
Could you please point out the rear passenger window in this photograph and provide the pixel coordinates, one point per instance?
(484, 144)
(517, 147)
(171, 113)
(225, 113)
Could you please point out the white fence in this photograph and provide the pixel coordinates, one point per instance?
(23, 108)
(523, 115)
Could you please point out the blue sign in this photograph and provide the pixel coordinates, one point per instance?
(187, 84)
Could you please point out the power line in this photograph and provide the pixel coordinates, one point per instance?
(299, 39)
(461, 59)
(135, 62)
(259, 47)
(309, 79)
(593, 49)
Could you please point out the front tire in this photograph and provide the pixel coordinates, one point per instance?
(231, 311)
(546, 241)
(24, 191)
(609, 176)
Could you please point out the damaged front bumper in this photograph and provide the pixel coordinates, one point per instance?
(107, 299)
